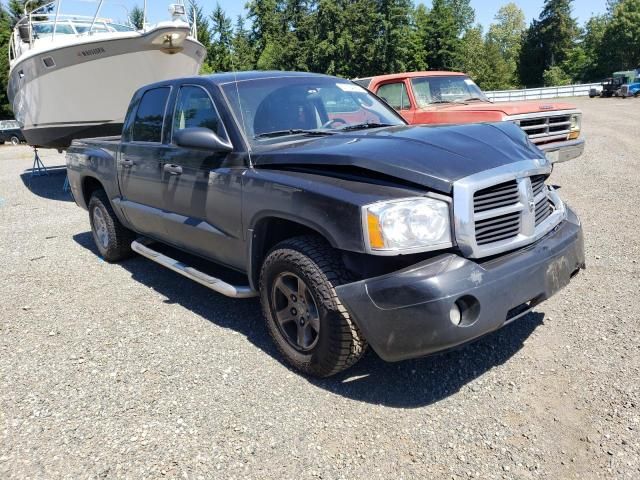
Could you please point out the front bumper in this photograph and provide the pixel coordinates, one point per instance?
(406, 314)
(558, 152)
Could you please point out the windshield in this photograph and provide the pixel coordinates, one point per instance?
(451, 89)
(283, 107)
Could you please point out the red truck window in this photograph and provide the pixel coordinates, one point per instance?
(395, 94)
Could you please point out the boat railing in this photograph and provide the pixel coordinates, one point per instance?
(49, 14)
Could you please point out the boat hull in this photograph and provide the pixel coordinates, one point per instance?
(88, 90)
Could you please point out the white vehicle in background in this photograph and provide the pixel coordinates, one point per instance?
(72, 76)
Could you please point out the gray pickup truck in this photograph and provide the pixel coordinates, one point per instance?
(352, 227)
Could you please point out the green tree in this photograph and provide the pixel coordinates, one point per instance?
(417, 55)
(219, 51)
(442, 43)
(559, 31)
(463, 13)
(556, 76)
(483, 61)
(592, 43)
(620, 49)
(203, 26)
(243, 52)
(548, 41)
(395, 35)
(6, 22)
(136, 17)
(506, 35)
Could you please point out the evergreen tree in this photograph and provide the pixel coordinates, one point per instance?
(548, 42)
(559, 31)
(243, 51)
(196, 14)
(219, 51)
(443, 46)
(136, 17)
(395, 35)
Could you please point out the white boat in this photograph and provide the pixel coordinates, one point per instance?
(73, 76)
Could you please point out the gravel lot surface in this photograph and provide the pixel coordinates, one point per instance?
(131, 371)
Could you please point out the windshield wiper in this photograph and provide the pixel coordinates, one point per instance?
(292, 131)
(441, 101)
(477, 99)
(364, 126)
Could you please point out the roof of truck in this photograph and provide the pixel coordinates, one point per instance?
(228, 77)
(366, 81)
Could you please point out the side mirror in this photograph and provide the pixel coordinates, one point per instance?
(201, 138)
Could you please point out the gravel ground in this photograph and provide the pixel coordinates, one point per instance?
(130, 371)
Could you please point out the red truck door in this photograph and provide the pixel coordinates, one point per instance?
(396, 94)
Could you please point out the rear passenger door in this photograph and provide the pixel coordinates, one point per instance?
(201, 193)
(140, 163)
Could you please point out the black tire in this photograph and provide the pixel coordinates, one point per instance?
(338, 343)
(15, 140)
(112, 239)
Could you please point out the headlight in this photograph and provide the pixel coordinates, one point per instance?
(407, 226)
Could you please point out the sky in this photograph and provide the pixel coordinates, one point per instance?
(485, 9)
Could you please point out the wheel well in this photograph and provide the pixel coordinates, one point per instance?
(267, 233)
(90, 185)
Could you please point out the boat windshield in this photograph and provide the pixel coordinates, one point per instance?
(279, 109)
(446, 89)
(73, 27)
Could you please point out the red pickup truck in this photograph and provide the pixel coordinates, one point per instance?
(452, 97)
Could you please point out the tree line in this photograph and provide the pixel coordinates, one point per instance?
(358, 38)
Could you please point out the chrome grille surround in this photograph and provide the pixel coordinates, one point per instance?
(516, 234)
(545, 127)
(624, 90)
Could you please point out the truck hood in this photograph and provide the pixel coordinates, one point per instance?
(507, 108)
(431, 156)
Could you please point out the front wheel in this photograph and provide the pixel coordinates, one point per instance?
(15, 140)
(112, 239)
(304, 316)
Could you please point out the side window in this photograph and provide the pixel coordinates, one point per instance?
(194, 108)
(147, 126)
(395, 94)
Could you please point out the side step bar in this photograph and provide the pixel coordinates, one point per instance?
(141, 246)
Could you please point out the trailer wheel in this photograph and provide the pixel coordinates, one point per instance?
(112, 239)
(15, 140)
(308, 324)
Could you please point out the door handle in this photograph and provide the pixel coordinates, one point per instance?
(127, 163)
(173, 169)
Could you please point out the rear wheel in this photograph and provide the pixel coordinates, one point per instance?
(112, 239)
(15, 140)
(309, 325)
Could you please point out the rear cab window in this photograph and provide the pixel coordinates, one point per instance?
(149, 119)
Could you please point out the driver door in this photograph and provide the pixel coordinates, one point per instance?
(201, 196)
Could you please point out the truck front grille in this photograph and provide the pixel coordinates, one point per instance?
(624, 91)
(545, 128)
(497, 229)
(495, 197)
(491, 219)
